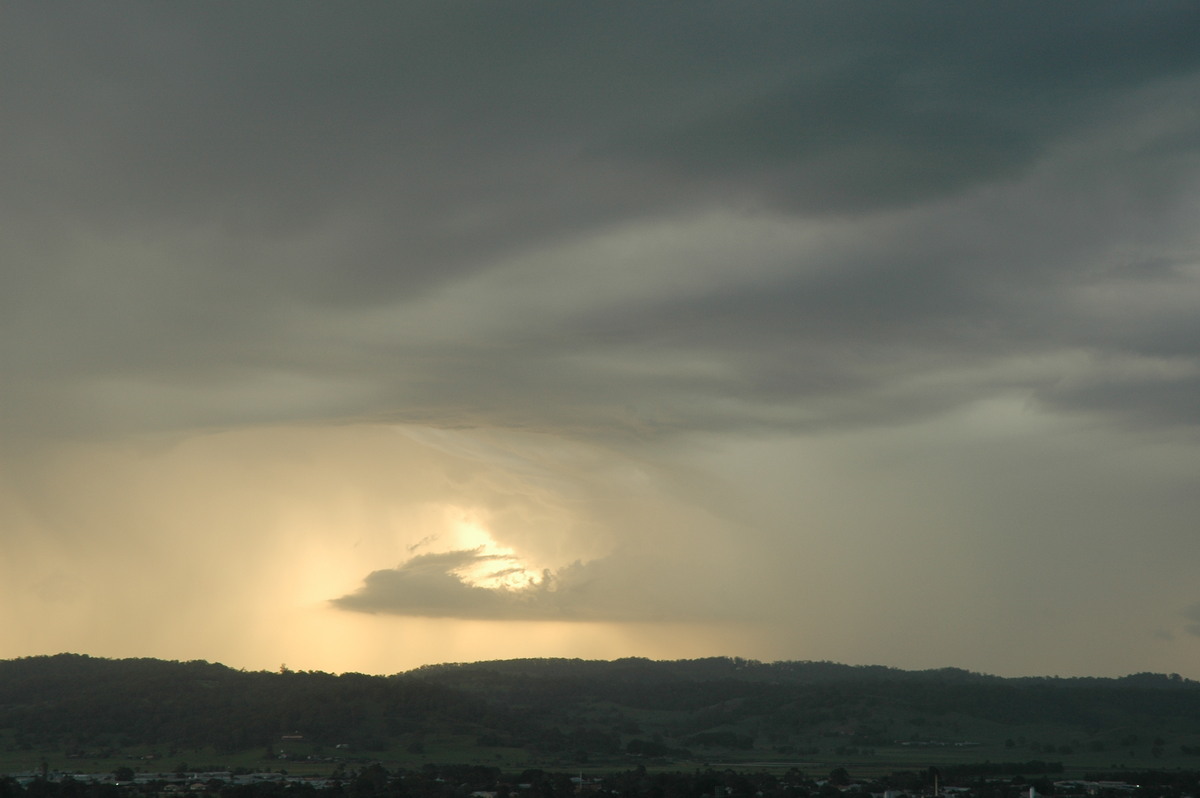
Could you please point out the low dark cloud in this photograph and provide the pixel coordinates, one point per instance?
(434, 586)
(430, 585)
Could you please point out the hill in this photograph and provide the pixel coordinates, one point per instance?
(572, 713)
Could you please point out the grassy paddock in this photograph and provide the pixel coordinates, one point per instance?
(415, 751)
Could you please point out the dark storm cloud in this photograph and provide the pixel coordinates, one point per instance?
(915, 102)
(272, 117)
(1148, 401)
(192, 194)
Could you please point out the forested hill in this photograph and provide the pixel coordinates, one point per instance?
(738, 669)
(588, 709)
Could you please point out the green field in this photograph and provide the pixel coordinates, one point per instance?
(308, 759)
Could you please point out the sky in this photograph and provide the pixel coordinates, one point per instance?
(357, 337)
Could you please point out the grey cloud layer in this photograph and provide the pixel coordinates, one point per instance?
(193, 192)
(611, 221)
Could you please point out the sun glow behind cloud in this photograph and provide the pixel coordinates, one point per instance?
(497, 567)
(306, 513)
(303, 515)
